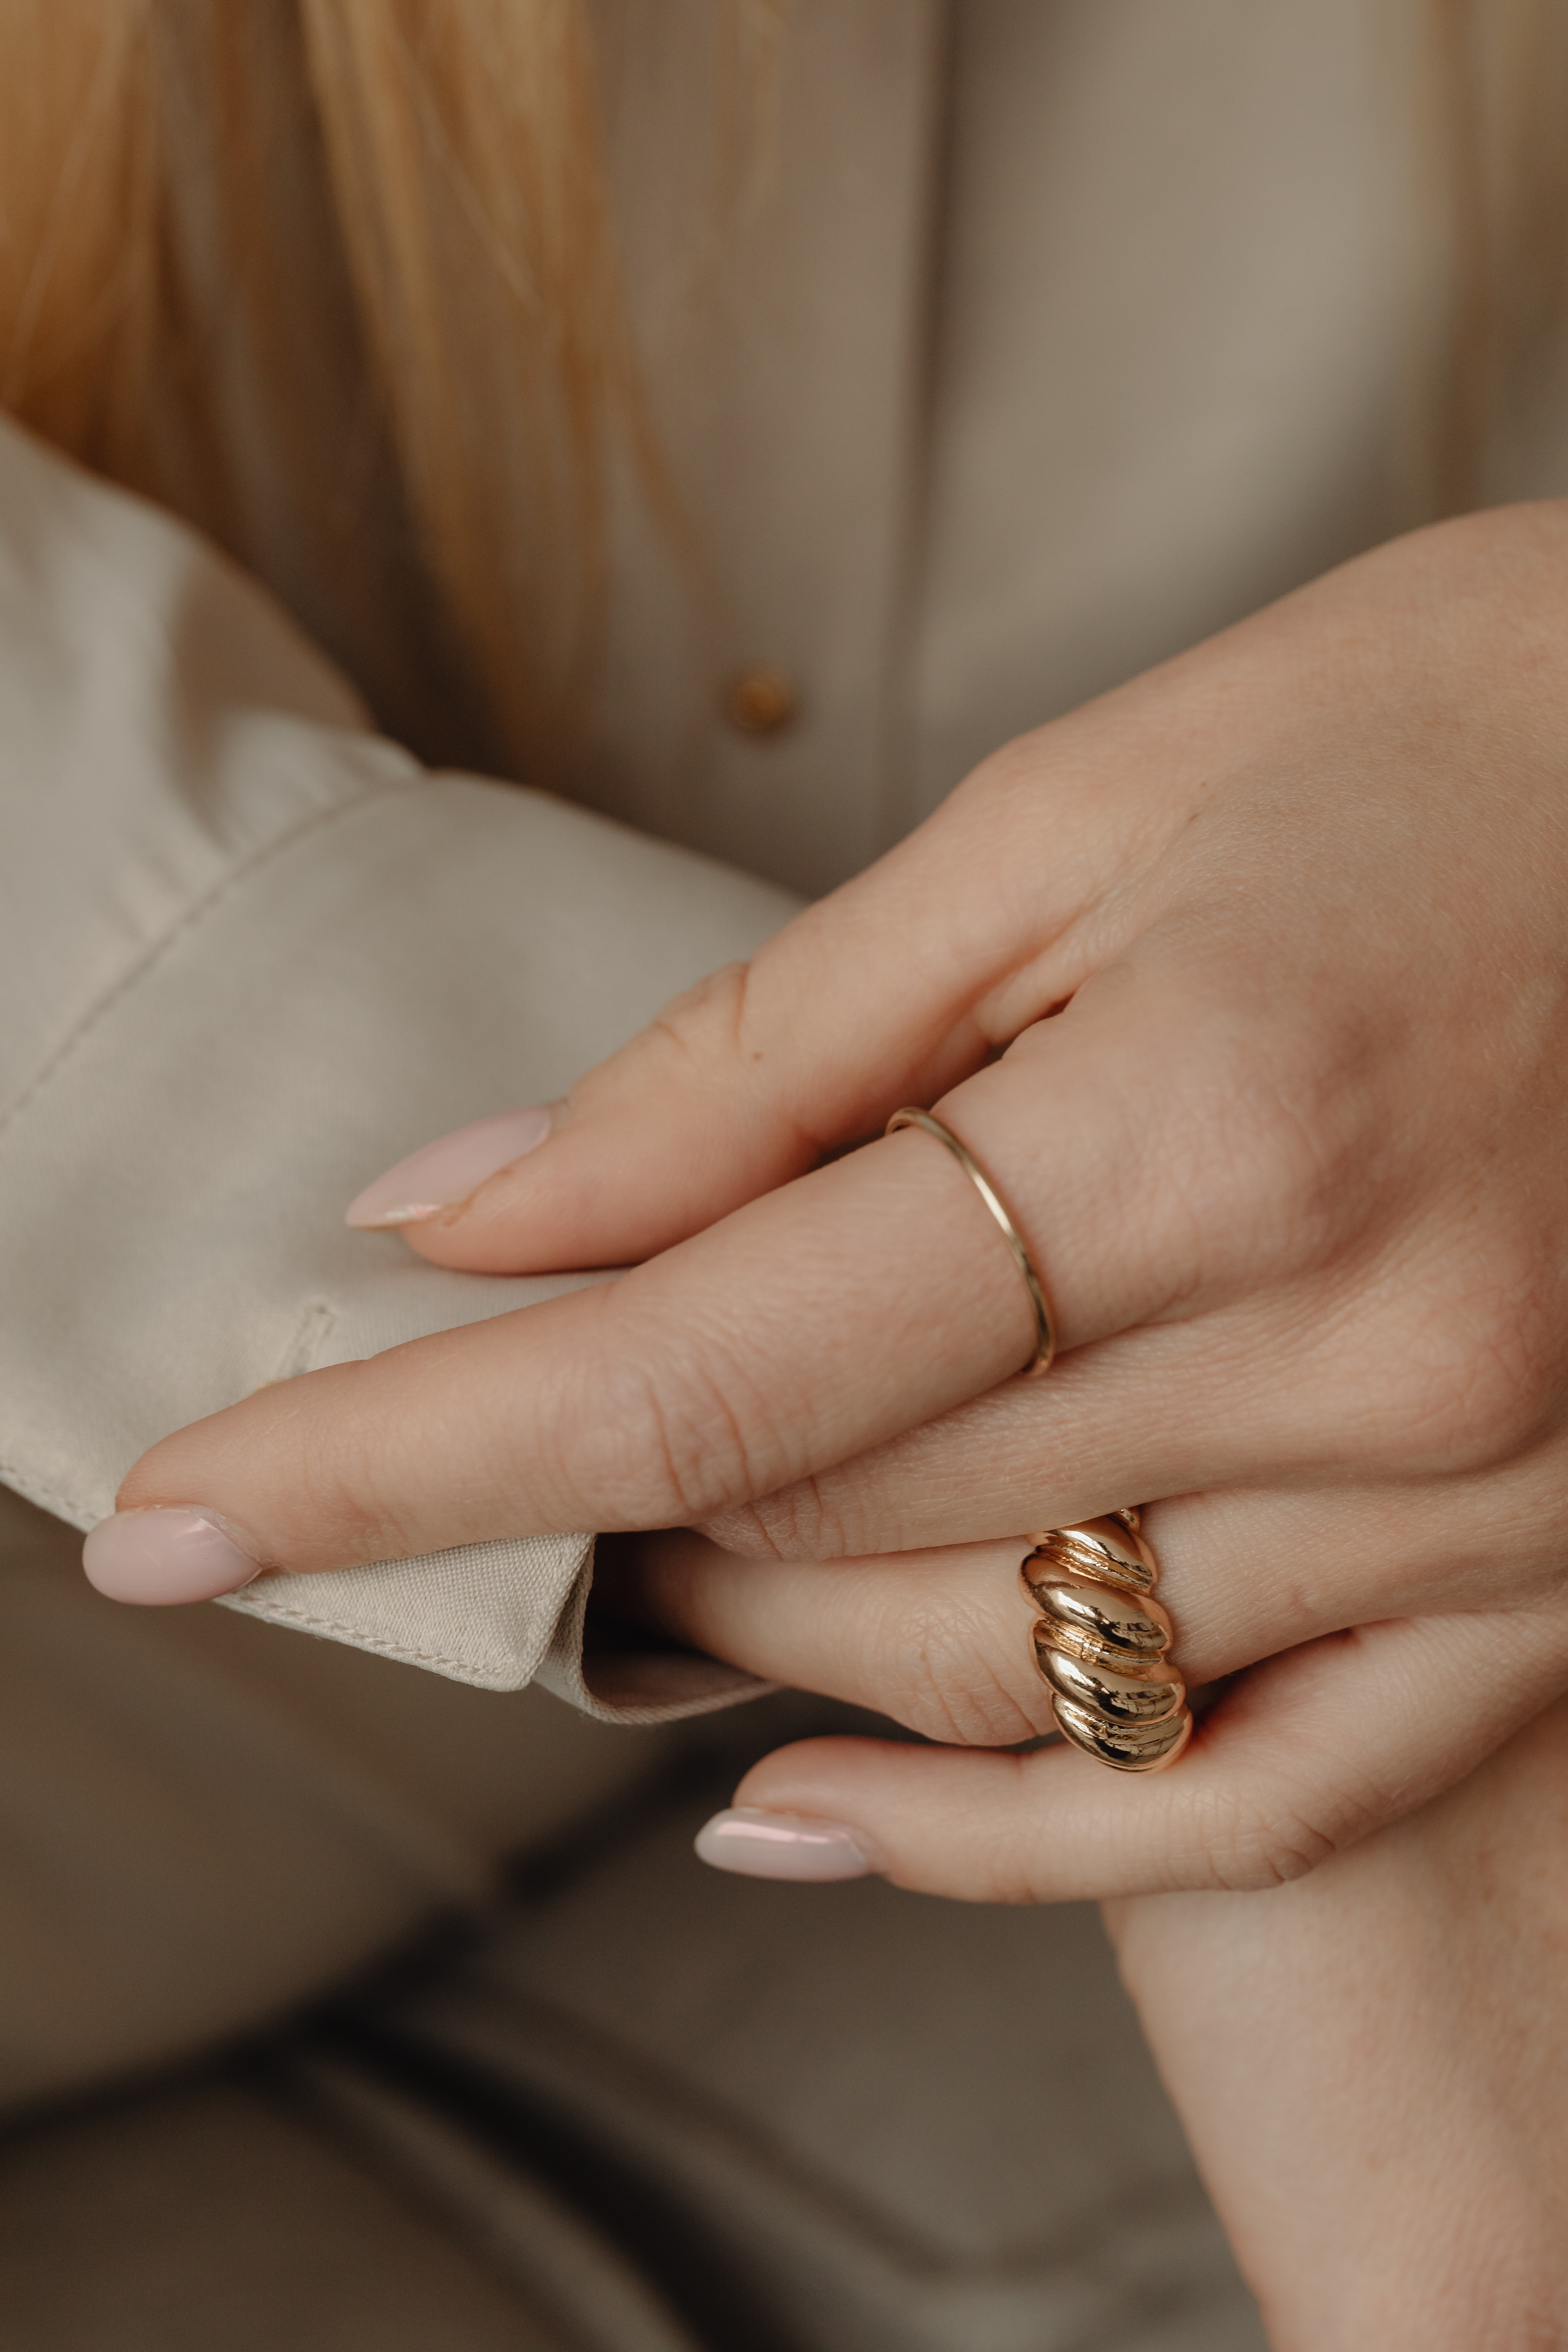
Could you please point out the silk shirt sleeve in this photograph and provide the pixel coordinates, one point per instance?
(250, 955)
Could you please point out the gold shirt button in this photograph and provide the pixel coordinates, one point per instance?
(761, 702)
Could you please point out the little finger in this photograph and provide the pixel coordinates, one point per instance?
(1301, 1758)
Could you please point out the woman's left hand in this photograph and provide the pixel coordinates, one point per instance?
(1272, 946)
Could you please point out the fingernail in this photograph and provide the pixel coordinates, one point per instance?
(158, 1558)
(783, 1846)
(440, 1174)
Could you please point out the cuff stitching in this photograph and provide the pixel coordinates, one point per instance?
(349, 1631)
(47, 1498)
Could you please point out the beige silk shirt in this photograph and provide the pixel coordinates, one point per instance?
(1053, 335)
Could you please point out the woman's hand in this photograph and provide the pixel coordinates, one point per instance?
(1249, 986)
(1370, 2067)
(1295, 1761)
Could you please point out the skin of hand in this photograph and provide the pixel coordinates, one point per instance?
(1370, 2065)
(1249, 986)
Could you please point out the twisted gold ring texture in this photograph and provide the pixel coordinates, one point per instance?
(1100, 1639)
(1101, 1642)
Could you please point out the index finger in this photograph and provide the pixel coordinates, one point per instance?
(858, 1301)
(783, 1338)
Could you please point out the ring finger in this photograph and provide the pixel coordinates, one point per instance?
(941, 1639)
(1310, 1751)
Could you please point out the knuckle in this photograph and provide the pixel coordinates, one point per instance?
(697, 1036)
(746, 1530)
(1246, 1844)
(1476, 1376)
(801, 1521)
(705, 1023)
(646, 1448)
(339, 1479)
(1250, 1839)
(1288, 1135)
(940, 1677)
(1247, 1176)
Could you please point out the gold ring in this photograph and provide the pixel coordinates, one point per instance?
(1100, 1640)
(1044, 1323)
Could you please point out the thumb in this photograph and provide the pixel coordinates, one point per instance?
(873, 998)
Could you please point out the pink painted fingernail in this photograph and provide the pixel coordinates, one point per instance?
(158, 1558)
(783, 1846)
(440, 1174)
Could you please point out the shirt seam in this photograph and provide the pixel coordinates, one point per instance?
(46, 1497)
(12, 1474)
(63, 1507)
(367, 1641)
(194, 916)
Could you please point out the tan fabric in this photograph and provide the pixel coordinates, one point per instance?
(203, 1821)
(249, 954)
(835, 2119)
(215, 2214)
(1186, 296)
(1050, 334)
(1046, 337)
(1042, 338)
(876, 2124)
(280, 956)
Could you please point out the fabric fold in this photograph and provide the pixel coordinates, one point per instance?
(258, 955)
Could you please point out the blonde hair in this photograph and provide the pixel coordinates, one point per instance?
(459, 155)
(1501, 120)
(459, 161)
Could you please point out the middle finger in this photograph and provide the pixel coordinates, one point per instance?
(941, 1639)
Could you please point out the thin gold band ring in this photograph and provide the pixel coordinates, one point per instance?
(1044, 1322)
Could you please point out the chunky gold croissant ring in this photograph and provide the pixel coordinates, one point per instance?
(1101, 1642)
(1044, 1323)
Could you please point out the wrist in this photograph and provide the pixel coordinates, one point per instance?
(1369, 2064)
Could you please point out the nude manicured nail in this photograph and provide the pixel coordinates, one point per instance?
(158, 1558)
(440, 1174)
(782, 1845)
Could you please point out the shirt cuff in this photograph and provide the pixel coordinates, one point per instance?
(174, 1182)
